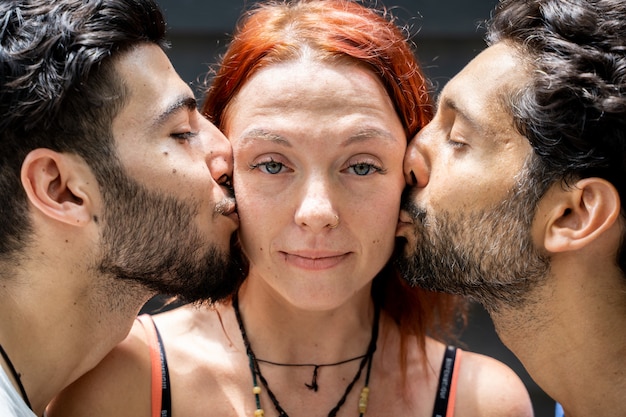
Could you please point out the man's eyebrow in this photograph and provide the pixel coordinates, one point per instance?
(448, 103)
(182, 103)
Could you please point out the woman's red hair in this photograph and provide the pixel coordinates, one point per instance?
(343, 31)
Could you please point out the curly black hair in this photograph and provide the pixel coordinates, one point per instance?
(573, 111)
(58, 88)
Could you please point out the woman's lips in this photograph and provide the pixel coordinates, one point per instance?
(315, 261)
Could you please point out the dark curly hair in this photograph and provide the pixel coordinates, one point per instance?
(58, 87)
(573, 111)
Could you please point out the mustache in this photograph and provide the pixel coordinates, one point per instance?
(228, 204)
(225, 206)
(408, 205)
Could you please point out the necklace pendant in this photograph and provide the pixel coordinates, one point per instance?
(312, 387)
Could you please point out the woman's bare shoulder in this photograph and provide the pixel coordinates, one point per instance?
(119, 385)
(488, 387)
(184, 328)
(199, 339)
(205, 354)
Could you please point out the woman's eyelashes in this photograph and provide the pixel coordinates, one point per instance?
(359, 168)
(268, 167)
(365, 168)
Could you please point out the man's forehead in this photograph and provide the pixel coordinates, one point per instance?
(481, 96)
(155, 90)
(486, 81)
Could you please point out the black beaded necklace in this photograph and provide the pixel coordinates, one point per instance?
(313, 386)
(16, 376)
(256, 370)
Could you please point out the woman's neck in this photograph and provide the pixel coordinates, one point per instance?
(280, 331)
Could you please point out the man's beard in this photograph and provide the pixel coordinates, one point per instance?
(151, 239)
(488, 254)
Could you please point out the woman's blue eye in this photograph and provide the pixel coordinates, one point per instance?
(270, 167)
(364, 168)
(273, 167)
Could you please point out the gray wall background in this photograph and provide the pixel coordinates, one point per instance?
(447, 34)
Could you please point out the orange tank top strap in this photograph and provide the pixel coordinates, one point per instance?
(156, 365)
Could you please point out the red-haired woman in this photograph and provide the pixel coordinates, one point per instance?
(318, 99)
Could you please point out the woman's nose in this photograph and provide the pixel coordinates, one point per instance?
(316, 210)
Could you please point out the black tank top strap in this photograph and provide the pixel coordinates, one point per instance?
(166, 396)
(445, 382)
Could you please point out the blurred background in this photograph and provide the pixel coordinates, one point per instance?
(447, 34)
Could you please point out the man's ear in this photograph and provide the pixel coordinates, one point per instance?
(59, 185)
(580, 214)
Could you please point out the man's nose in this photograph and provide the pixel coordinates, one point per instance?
(219, 154)
(416, 171)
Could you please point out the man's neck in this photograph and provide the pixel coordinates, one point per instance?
(55, 333)
(572, 342)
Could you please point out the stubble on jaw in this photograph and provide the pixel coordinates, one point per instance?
(487, 255)
(151, 239)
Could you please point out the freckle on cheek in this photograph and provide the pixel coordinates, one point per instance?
(174, 171)
(165, 153)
